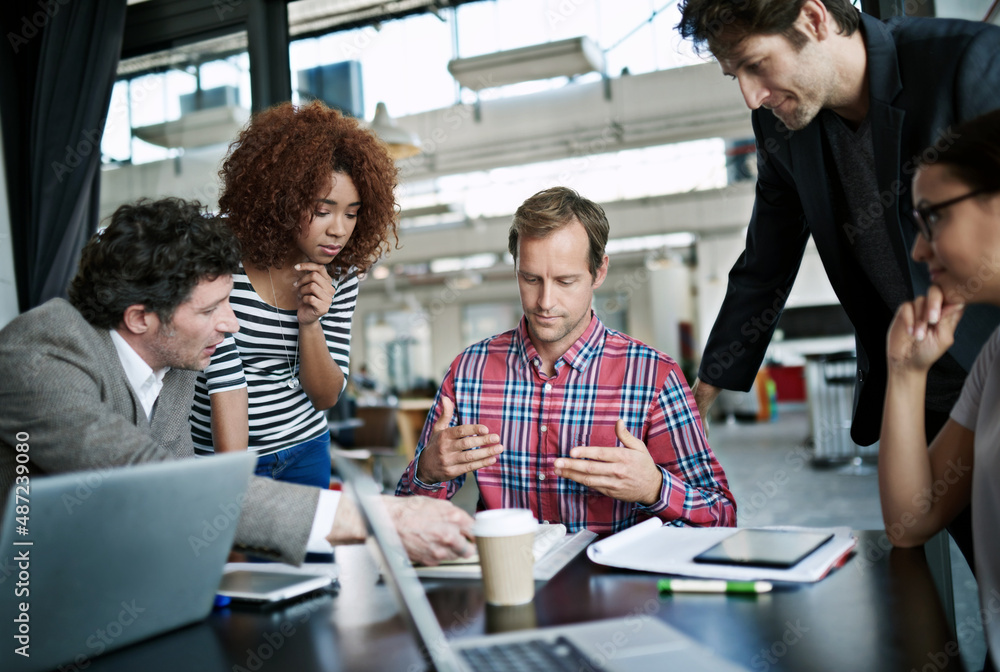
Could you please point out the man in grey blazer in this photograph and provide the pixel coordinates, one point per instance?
(107, 380)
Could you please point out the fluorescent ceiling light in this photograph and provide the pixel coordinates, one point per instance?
(644, 243)
(199, 128)
(472, 262)
(565, 58)
(428, 210)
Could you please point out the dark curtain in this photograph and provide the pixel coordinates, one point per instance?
(57, 69)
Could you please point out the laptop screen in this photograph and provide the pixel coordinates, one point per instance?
(385, 543)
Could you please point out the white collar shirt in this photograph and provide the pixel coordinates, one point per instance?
(146, 382)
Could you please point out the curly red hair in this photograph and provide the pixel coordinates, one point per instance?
(279, 163)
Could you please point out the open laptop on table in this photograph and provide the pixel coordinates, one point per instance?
(617, 644)
(102, 559)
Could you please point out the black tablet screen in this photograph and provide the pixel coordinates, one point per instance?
(764, 548)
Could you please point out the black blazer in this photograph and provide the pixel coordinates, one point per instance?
(925, 76)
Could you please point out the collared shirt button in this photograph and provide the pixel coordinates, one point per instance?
(537, 362)
(544, 428)
(541, 476)
(548, 387)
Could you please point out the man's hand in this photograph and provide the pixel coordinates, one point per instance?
(432, 530)
(922, 332)
(453, 451)
(704, 396)
(627, 474)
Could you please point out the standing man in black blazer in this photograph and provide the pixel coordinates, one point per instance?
(843, 105)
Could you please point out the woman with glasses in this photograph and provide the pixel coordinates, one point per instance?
(957, 211)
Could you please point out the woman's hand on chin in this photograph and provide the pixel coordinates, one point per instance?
(922, 332)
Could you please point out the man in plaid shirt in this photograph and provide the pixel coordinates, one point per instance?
(579, 423)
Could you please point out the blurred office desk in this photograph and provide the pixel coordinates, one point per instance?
(412, 416)
(879, 612)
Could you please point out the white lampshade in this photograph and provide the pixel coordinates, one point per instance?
(402, 143)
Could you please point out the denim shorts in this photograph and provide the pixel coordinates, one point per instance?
(307, 463)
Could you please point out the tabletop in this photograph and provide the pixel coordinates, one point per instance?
(878, 612)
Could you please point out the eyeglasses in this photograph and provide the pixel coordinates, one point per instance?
(928, 216)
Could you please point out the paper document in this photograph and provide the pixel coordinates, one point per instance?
(653, 547)
(553, 548)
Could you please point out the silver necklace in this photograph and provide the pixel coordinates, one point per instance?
(293, 382)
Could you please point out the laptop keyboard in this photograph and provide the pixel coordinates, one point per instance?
(535, 655)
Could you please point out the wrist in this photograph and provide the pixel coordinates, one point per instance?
(656, 487)
(421, 474)
(907, 372)
(312, 325)
(348, 528)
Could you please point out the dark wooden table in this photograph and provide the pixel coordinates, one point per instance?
(879, 612)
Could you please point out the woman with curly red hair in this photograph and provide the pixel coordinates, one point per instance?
(309, 194)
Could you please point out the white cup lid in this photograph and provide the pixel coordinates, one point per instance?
(504, 523)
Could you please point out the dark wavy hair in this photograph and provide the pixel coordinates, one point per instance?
(278, 165)
(974, 158)
(153, 253)
(721, 25)
(553, 209)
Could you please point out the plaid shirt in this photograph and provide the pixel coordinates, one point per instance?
(604, 376)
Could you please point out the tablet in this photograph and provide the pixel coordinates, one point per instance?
(764, 548)
(269, 586)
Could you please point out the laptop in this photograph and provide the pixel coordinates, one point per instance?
(102, 559)
(615, 645)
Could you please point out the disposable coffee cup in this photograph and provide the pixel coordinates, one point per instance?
(504, 538)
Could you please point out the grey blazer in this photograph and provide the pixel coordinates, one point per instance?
(62, 383)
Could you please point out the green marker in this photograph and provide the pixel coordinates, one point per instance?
(712, 586)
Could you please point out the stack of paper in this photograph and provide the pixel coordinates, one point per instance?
(553, 548)
(665, 549)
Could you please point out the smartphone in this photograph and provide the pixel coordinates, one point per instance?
(764, 548)
(269, 586)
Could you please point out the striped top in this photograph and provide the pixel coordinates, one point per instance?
(261, 358)
(604, 376)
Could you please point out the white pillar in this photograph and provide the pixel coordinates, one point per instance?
(670, 304)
